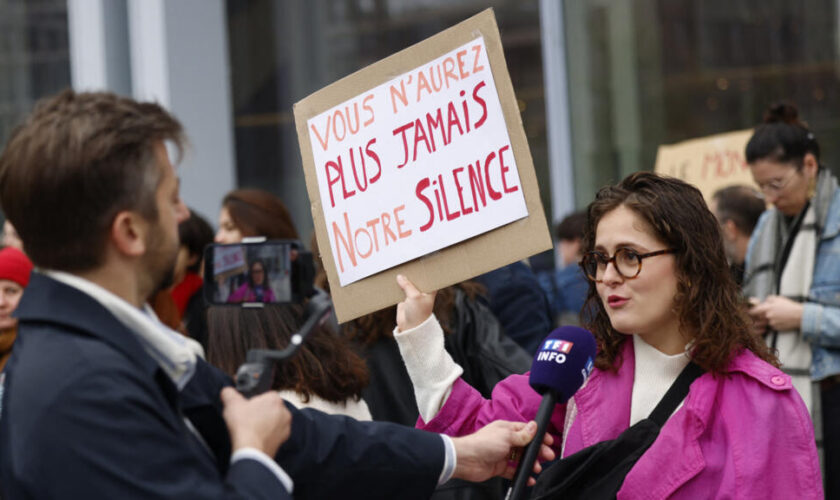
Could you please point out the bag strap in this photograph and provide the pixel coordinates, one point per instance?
(676, 393)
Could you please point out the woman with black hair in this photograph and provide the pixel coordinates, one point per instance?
(793, 269)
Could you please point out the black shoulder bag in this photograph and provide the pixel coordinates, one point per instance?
(598, 471)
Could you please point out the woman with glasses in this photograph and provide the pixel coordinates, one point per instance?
(256, 287)
(661, 297)
(792, 276)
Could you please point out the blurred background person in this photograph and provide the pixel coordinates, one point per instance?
(194, 234)
(737, 208)
(515, 298)
(165, 309)
(15, 268)
(169, 310)
(254, 212)
(567, 286)
(324, 374)
(792, 269)
(249, 213)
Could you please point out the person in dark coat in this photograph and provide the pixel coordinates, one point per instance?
(566, 287)
(101, 400)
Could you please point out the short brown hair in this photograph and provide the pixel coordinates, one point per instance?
(743, 205)
(707, 301)
(195, 233)
(259, 213)
(76, 162)
(571, 227)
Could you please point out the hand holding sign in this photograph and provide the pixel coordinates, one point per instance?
(417, 306)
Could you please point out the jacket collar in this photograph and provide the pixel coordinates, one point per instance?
(832, 222)
(612, 417)
(49, 301)
(618, 388)
(604, 412)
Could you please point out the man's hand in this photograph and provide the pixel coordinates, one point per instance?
(487, 453)
(779, 313)
(417, 306)
(262, 422)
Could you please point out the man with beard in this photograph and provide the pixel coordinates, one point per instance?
(101, 400)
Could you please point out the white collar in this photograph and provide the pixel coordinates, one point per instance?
(654, 373)
(174, 353)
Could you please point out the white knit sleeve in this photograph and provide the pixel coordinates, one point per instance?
(431, 368)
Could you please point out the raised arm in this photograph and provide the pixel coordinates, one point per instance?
(448, 404)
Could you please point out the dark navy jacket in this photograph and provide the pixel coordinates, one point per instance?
(86, 413)
(520, 304)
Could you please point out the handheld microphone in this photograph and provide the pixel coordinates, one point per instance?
(561, 366)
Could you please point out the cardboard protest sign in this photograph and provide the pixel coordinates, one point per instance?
(228, 260)
(418, 164)
(710, 163)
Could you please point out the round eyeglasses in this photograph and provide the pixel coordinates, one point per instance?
(627, 262)
(777, 185)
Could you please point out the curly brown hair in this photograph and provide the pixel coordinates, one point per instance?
(325, 365)
(710, 310)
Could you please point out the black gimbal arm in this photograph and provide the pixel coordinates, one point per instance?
(254, 376)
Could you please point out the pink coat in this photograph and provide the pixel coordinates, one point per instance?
(743, 435)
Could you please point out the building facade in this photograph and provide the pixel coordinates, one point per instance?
(600, 83)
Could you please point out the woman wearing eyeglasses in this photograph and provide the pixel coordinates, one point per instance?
(256, 287)
(792, 275)
(661, 297)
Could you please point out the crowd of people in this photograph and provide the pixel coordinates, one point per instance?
(115, 373)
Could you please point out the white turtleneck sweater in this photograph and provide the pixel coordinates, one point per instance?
(655, 372)
(351, 407)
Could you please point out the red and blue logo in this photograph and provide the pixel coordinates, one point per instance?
(557, 345)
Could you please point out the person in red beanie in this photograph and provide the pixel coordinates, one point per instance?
(15, 267)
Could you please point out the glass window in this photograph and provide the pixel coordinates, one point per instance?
(34, 56)
(654, 72)
(283, 51)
